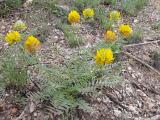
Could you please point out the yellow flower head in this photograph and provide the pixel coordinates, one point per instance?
(19, 25)
(13, 37)
(73, 17)
(125, 30)
(114, 15)
(104, 56)
(88, 12)
(110, 36)
(32, 44)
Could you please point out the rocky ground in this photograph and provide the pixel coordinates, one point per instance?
(138, 97)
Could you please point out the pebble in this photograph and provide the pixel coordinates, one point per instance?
(117, 113)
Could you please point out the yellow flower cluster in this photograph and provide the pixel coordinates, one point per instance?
(125, 30)
(19, 25)
(88, 12)
(104, 56)
(114, 15)
(12, 37)
(74, 17)
(32, 44)
(110, 36)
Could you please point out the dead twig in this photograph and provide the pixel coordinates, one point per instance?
(28, 110)
(113, 99)
(142, 62)
(23, 114)
(140, 86)
(133, 45)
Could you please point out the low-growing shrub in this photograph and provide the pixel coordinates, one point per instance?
(14, 66)
(50, 6)
(7, 6)
(82, 4)
(156, 25)
(132, 7)
(136, 37)
(156, 59)
(16, 58)
(112, 2)
(72, 38)
(101, 17)
(66, 86)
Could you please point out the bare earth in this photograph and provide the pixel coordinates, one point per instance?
(138, 97)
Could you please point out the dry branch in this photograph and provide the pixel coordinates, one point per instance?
(142, 62)
(145, 43)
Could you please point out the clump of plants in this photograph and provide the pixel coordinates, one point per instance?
(136, 37)
(132, 7)
(108, 2)
(67, 86)
(82, 4)
(17, 57)
(156, 59)
(156, 25)
(64, 87)
(7, 6)
(50, 6)
(101, 18)
(72, 39)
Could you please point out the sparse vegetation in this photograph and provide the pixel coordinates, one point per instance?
(70, 34)
(132, 7)
(64, 60)
(7, 6)
(156, 25)
(136, 37)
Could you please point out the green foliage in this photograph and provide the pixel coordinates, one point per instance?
(136, 37)
(14, 66)
(41, 32)
(51, 6)
(156, 56)
(82, 4)
(156, 59)
(132, 7)
(44, 3)
(156, 25)
(116, 47)
(66, 85)
(101, 17)
(112, 2)
(70, 34)
(41, 26)
(7, 6)
(59, 11)
(2, 86)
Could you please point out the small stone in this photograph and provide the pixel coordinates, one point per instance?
(6, 95)
(35, 114)
(117, 113)
(129, 68)
(99, 100)
(55, 37)
(133, 76)
(135, 21)
(132, 108)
